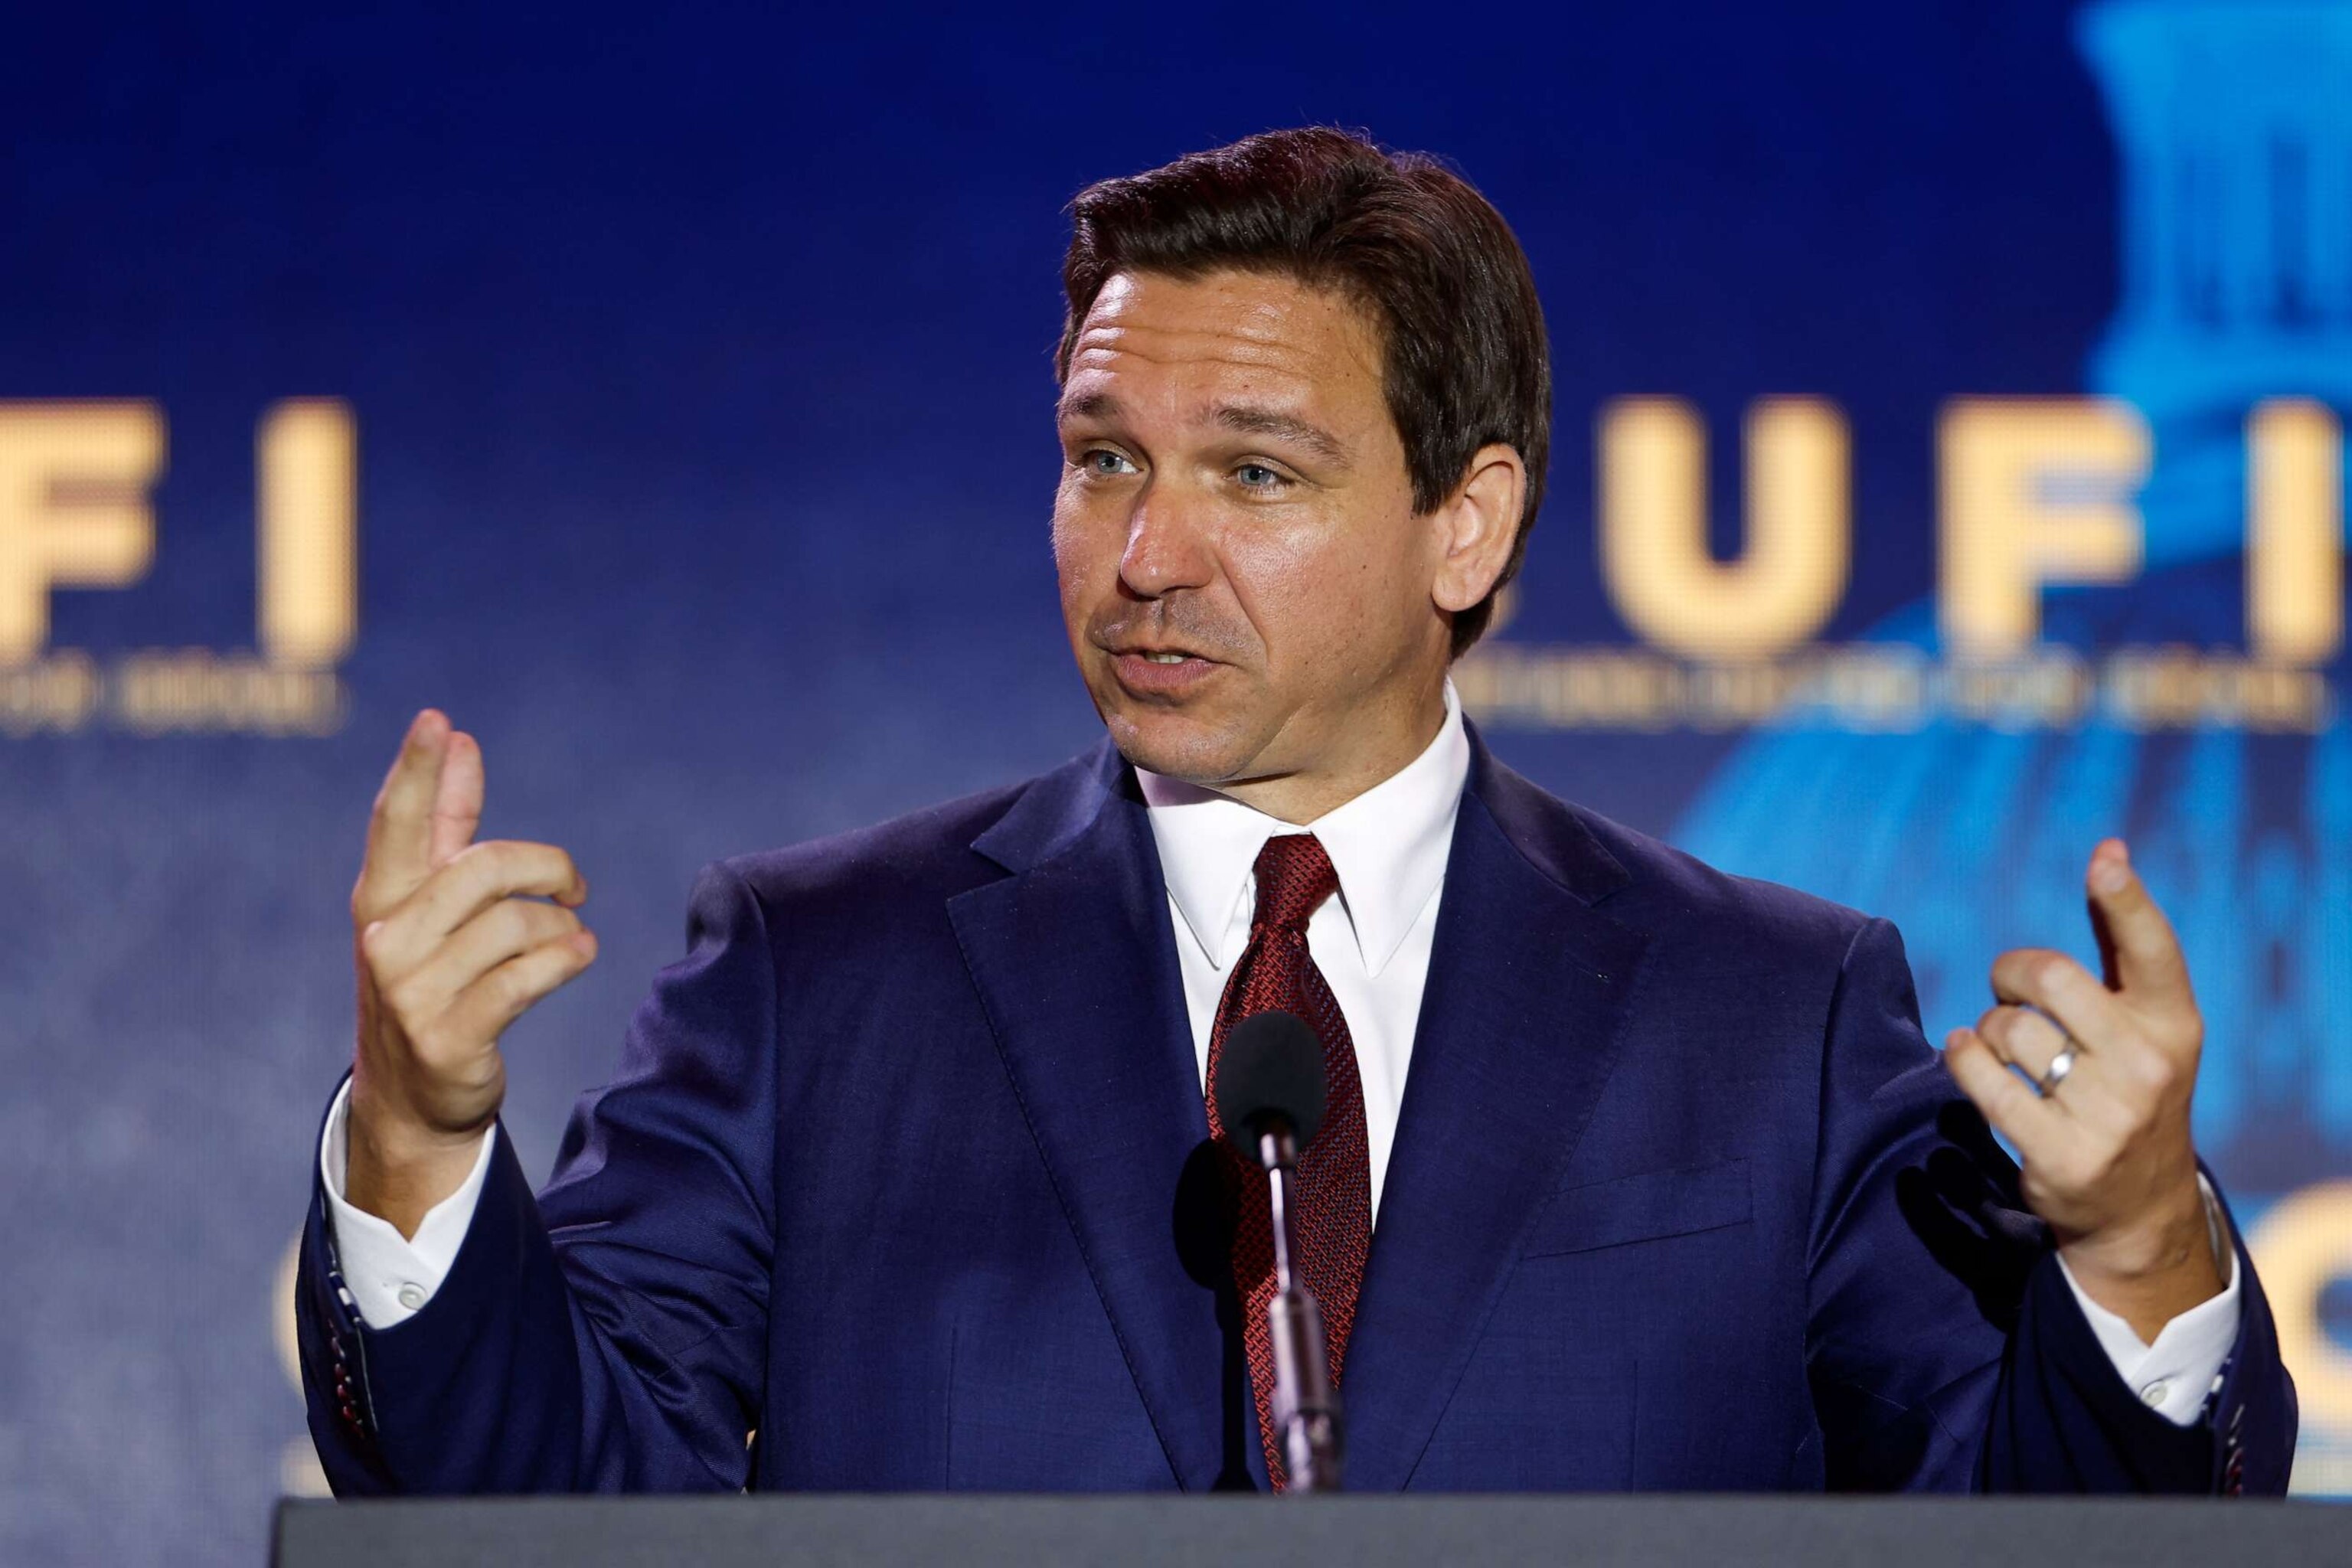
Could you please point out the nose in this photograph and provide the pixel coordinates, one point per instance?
(1167, 548)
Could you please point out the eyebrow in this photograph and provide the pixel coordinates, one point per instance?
(1251, 420)
(1086, 406)
(1243, 418)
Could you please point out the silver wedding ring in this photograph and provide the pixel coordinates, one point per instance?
(2060, 1066)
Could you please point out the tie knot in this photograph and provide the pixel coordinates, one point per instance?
(1294, 876)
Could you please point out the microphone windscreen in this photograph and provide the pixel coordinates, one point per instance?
(1271, 1064)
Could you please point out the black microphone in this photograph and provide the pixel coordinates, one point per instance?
(1270, 1097)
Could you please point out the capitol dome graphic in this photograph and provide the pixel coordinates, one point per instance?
(2232, 121)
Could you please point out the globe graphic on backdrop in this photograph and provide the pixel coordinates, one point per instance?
(2233, 123)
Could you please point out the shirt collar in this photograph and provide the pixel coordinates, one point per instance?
(1388, 845)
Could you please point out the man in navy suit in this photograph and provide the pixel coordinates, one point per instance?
(1636, 1175)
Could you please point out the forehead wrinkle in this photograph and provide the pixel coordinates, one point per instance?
(1244, 353)
(1253, 311)
(1262, 337)
(1094, 373)
(1248, 368)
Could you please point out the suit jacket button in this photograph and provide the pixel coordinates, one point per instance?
(351, 1413)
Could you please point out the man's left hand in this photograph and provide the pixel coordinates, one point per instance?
(2106, 1150)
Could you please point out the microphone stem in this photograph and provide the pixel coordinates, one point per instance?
(1305, 1405)
(1279, 1154)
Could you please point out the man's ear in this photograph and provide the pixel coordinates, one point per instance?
(1478, 526)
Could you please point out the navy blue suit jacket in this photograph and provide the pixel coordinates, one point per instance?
(899, 1173)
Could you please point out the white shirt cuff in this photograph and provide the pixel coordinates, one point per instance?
(391, 1276)
(2175, 1375)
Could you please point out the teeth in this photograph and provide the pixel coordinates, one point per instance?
(1165, 658)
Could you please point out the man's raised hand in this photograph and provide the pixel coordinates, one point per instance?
(2107, 1155)
(450, 948)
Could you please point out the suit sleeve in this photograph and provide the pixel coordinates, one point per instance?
(610, 1334)
(1944, 1349)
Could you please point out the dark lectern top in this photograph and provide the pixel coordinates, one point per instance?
(1664, 1530)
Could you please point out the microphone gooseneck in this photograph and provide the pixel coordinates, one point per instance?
(1271, 1096)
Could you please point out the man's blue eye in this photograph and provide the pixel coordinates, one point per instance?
(1257, 477)
(1105, 462)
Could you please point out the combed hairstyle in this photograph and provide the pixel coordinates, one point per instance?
(1465, 361)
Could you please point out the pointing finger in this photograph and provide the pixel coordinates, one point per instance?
(457, 804)
(399, 831)
(2137, 942)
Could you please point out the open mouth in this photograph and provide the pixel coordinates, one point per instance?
(1159, 671)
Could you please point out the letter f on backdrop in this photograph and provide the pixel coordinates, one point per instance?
(74, 480)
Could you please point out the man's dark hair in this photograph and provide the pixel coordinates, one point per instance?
(1464, 356)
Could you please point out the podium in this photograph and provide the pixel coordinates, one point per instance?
(1661, 1531)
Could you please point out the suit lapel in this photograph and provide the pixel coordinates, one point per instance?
(1075, 963)
(1518, 1031)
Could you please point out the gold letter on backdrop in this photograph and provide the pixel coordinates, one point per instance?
(305, 538)
(2035, 491)
(1653, 553)
(2302, 1244)
(74, 479)
(2294, 532)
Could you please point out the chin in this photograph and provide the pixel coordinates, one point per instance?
(1194, 748)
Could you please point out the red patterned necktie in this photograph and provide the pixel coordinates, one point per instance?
(1334, 1189)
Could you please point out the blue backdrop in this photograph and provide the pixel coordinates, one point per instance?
(698, 371)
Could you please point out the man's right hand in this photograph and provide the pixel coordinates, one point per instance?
(450, 949)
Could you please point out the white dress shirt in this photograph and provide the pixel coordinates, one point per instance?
(1372, 941)
(1390, 846)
